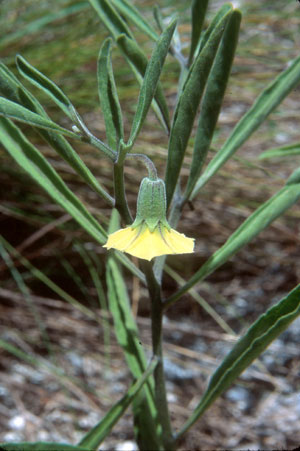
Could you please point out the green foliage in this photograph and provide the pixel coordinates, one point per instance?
(138, 61)
(248, 348)
(95, 436)
(213, 98)
(150, 81)
(14, 91)
(188, 103)
(198, 11)
(41, 81)
(19, 113)
(32, 161)
(284, 151)
(133, 14)
(108, 97)
(268, 100)
(128, 337)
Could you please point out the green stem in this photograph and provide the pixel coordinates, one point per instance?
(90, 138)
(152, 172)
(121, 202)
(159, 377)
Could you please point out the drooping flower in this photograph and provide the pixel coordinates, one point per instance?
(150, 235)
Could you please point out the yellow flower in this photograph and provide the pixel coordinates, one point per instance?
(142, 243)
(150, 235)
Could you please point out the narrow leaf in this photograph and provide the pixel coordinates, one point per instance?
(258, 337)
(36, 273)
(33, 162)
(253, 225)
(15, 91)
(213, 98)
(111, 18)
(19, 113)
(268, 100)
(222, 12)
(93, 439)
(109, 97)
(117, 27)
(187, 106)
(45, 84)
(151, 78)
(198, 11)
(40, 80)
(133, 14)
(294, 177)
(138, 63)
(8, 84)
(283, 151)
(127, 334)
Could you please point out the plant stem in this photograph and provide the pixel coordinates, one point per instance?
(152, 172)
(159, 377)
(121, 202)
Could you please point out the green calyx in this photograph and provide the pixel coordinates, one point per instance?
(151, 204)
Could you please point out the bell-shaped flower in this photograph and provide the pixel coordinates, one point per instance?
(150, 235)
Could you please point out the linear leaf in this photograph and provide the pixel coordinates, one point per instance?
(33, 162)
(19, 113)
(125, 327)
(127, 335)
(26, 98)
(10, 84)
(198, 11)
(268, 100)
(133, 14)
(187, 106)
(109, 97)
(98, 433)
(151, 78)
(36, 273)
(213, 98)
(138, 62)
(282, 151)
(40, 80)
(294, 177)
(253, 225)
(258, 337)
(111, 18)
(222, 12)
(15, 91)
(117, 26)
(39, 446)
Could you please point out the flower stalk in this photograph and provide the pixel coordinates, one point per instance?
(161, 402)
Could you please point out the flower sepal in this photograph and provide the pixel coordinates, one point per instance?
(150, 235)
(151, 204)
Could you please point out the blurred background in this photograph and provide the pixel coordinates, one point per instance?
(60, 366)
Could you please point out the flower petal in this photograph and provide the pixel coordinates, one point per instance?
(142, 243)
(121, 239)
(178, 242)
(149, 245)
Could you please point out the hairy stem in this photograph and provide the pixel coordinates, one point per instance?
(121, 202)
(159, 377)
(152, 172)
